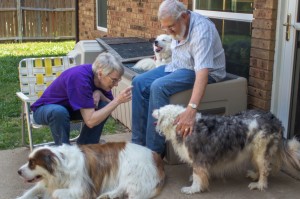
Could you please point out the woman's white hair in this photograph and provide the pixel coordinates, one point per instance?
(107, 63)
(171, 8)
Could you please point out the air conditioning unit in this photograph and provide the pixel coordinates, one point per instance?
(86, 51)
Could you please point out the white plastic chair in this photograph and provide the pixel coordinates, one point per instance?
(35, 75)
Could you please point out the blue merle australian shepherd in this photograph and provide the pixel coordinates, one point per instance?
(220, 144)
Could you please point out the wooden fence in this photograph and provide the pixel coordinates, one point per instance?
(37, 19)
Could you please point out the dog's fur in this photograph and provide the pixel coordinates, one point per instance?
(112, 170)
(162, 52)
(219, 145)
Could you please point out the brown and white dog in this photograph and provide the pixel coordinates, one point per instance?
(111, 170)
(220, 145)
(162, 51)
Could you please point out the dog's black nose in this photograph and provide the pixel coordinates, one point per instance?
(20, 172)
(155, 42)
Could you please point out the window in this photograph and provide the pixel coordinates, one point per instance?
(233, 19)
(102, 15)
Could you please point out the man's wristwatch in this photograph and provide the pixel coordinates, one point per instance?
(192, 105)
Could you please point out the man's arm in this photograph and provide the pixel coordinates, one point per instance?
(185, 121)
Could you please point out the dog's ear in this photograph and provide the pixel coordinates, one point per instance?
(159, 126)
(62, 155)
(47, 159)
(152, 40)
(50, 162)
(161, 118)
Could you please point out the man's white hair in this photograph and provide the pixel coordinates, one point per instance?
(171, 8)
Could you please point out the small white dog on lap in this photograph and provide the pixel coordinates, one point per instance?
(162, 52)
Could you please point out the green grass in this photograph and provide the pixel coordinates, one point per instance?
(10, 105)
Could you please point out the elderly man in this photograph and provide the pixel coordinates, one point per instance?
(197, 60)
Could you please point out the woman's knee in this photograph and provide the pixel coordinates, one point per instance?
(60, 113)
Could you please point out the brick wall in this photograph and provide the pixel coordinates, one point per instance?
(87, 20)
(134, 18)
(125, 18)
(262, 54)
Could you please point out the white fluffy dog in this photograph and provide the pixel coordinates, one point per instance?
(162, 52)
(220, 145)
(112, 170)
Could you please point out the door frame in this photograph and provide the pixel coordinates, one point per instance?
(283, 64)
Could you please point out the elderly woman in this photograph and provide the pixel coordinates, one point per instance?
(81, 92)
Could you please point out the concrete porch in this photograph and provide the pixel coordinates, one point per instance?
(234, 187)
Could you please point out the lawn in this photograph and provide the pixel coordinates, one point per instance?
(10, 105)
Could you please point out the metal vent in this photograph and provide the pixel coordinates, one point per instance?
(128, 49)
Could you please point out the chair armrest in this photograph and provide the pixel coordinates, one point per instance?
(23, 97)
(26, 106)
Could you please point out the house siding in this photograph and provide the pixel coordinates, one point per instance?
(138, 18)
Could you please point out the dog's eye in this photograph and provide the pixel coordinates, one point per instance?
(31, 163)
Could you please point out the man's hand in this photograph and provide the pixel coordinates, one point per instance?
(185, 122)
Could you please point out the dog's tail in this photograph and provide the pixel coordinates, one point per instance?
(290, 155)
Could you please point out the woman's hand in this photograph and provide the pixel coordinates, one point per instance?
(124, 96)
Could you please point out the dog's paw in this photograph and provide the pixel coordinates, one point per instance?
(61, 194)
(22, 197)
(103, 196)
(257, 185)
(191, 178)
(253, 175)
(189, 190)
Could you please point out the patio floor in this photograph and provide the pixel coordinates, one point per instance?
(235, 187)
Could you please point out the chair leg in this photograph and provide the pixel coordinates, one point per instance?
(76, 137)
(29, 128)
(23, 125)
(30, 137)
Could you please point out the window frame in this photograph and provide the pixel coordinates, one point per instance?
(99, 27)
(233, 17)
(224, 15)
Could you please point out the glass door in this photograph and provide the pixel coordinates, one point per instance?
(295, 102)
(286, 89)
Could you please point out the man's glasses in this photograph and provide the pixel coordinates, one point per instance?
(114, 80)
(170, 27)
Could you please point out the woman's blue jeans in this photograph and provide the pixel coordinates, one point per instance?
(58, 118)
(152, 90)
